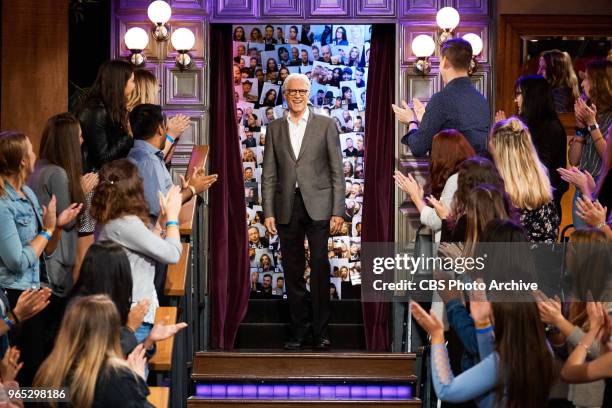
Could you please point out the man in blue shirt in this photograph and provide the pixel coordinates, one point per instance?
(458, 106)
(149, 130)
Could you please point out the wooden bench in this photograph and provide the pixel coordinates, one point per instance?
(162, 360)
(159, 397)
(176, 279)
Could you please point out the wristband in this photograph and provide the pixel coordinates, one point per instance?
(169, 138)
(581, 132)
(193, 190)
(45, 234)
(601, 225)
(8, 322)
(413, 122)
(171, 223)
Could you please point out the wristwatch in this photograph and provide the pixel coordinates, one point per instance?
(591, 128)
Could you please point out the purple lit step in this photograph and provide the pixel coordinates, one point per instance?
(234, 390)
(249, 391)
(265, 391)
(389, 392)
(404, 392)
(281, 391)
(311, 391)
(373, 392)
(296, 391)
(358, 392)
(327, 392)
(218, 390)
(343, 392)
(305, 391)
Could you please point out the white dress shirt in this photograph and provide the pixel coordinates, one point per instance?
(296, 132)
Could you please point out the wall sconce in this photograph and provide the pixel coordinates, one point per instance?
(476, 43)
(136, 39)
(447, 19)
(183, 40)
(159, 13)
(423, 46)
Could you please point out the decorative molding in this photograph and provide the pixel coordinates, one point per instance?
(471, 7)
(185, 88)
(422, 87)
(235, 9)
(199, 5)
(282, 8)
(134, 4)
(367, 8)
(419, 8)
(324, 8)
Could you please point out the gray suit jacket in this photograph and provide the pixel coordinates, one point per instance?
(317, 170)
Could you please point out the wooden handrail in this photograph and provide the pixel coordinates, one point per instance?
(162, 360)
(177, 274)
(186, 216)
(159, 397)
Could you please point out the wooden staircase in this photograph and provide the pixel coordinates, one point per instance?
(280, 379)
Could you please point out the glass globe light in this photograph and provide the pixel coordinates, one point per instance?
(475, 41)
(182, 39)
(423, 46)
(159, 12)
(447, 18)
(136, 39)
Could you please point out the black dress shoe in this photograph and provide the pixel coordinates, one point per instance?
(322, 344)
(294, 345)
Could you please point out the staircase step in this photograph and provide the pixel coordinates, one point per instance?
(227, 403)
(315, 367)
(273, 336)
(277, 311)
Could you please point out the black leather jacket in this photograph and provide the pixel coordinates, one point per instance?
(103, 140)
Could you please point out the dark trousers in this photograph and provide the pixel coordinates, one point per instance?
(294, 260)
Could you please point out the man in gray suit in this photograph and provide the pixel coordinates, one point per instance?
(303, 196)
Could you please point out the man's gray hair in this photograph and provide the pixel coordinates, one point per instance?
(301, 77)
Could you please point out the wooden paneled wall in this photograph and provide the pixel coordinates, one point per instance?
(34, 64)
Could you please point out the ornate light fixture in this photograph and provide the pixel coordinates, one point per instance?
(136, 40)
(423, 46)
(477, 45)
(159, 13)
(447, 19)
(183, 40)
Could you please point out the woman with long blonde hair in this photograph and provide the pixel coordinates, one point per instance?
(525, 179)
(146, 90)
(87, 359)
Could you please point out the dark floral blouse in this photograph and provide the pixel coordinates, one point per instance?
(541, 224)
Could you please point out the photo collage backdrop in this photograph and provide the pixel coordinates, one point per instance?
(335, 58)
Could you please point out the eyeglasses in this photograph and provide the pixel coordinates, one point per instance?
(293, 92)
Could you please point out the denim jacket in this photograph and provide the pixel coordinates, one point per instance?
(20, 220)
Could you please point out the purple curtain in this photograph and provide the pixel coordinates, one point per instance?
(229, 264)
(378, 202)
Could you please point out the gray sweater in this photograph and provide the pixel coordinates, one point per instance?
(47, 180)
(144, 248)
